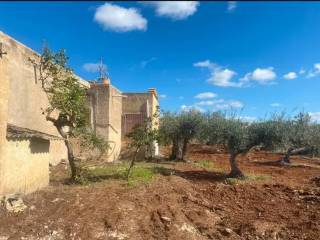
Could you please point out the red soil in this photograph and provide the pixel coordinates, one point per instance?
(192, 203)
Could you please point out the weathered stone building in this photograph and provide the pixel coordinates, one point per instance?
(105, 115)
(136, 107)
(28, 143)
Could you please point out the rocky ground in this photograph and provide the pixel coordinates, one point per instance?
(191, 201)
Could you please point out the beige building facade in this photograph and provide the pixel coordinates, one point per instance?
(105, 103)
(28, 142)
(138, 106)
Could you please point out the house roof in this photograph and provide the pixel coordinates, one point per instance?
(15, 132)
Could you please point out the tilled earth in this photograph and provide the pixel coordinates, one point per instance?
(191, 203)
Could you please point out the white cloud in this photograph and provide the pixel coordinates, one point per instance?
(163, 96)
(232, 5)
(185, 107)
(221, 104)
(146, 62)
(315, 116)
(205, 63)
(290, 76)
(248, 119)
(205, 95)
(315, 71)
(191, 107)
(302, 71)
(119, 19)
(208, 103)
(222, 78)
(275, 104)
(261, 75)
(94, 67)
(177, 10)
(219, 76)
(236, 104)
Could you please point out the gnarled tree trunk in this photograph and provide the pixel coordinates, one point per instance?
(71, 159)
(235, 170)
(179, 149)
(179, 156)
(174, 149)
(184, 148)
(59, 124)
(292, 151)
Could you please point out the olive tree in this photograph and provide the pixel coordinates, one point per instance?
(67, 108)
(143, 136)
(237, 137)
(291, 135)
(315, 139)
(299, 136)
(179, 129)
(210, 130)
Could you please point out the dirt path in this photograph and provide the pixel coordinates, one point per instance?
(192, 203)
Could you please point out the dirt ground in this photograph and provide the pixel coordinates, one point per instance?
(190, 203)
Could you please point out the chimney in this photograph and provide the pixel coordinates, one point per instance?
(153, 91)
(105, 80)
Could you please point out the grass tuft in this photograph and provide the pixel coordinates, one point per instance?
(141, 173)
(248, 178)
(206, 164)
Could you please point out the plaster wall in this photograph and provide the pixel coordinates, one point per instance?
(26, 98)
(106, 110)
(27, 168)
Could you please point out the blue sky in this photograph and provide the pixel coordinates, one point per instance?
(260, 57)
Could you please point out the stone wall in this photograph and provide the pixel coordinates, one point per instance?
(141, 102)
(145, 104)
(106, 108)
(24, 162)
(26, 100)
(22, 101)
(137, 106)
(27, 168)
(4, 95)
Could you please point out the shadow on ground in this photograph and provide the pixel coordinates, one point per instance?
(202, 175)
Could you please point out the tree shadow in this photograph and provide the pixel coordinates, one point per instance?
(202, 175)
(281, 164)
(163, 170)
(274, 163)
(103, 177)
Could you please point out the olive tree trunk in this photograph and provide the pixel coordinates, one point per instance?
(235, 170)
(292, 151)
(71, 159)
(179, 150)
(185, 146)
(59, 124)
(174, 148)
(180, 156)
